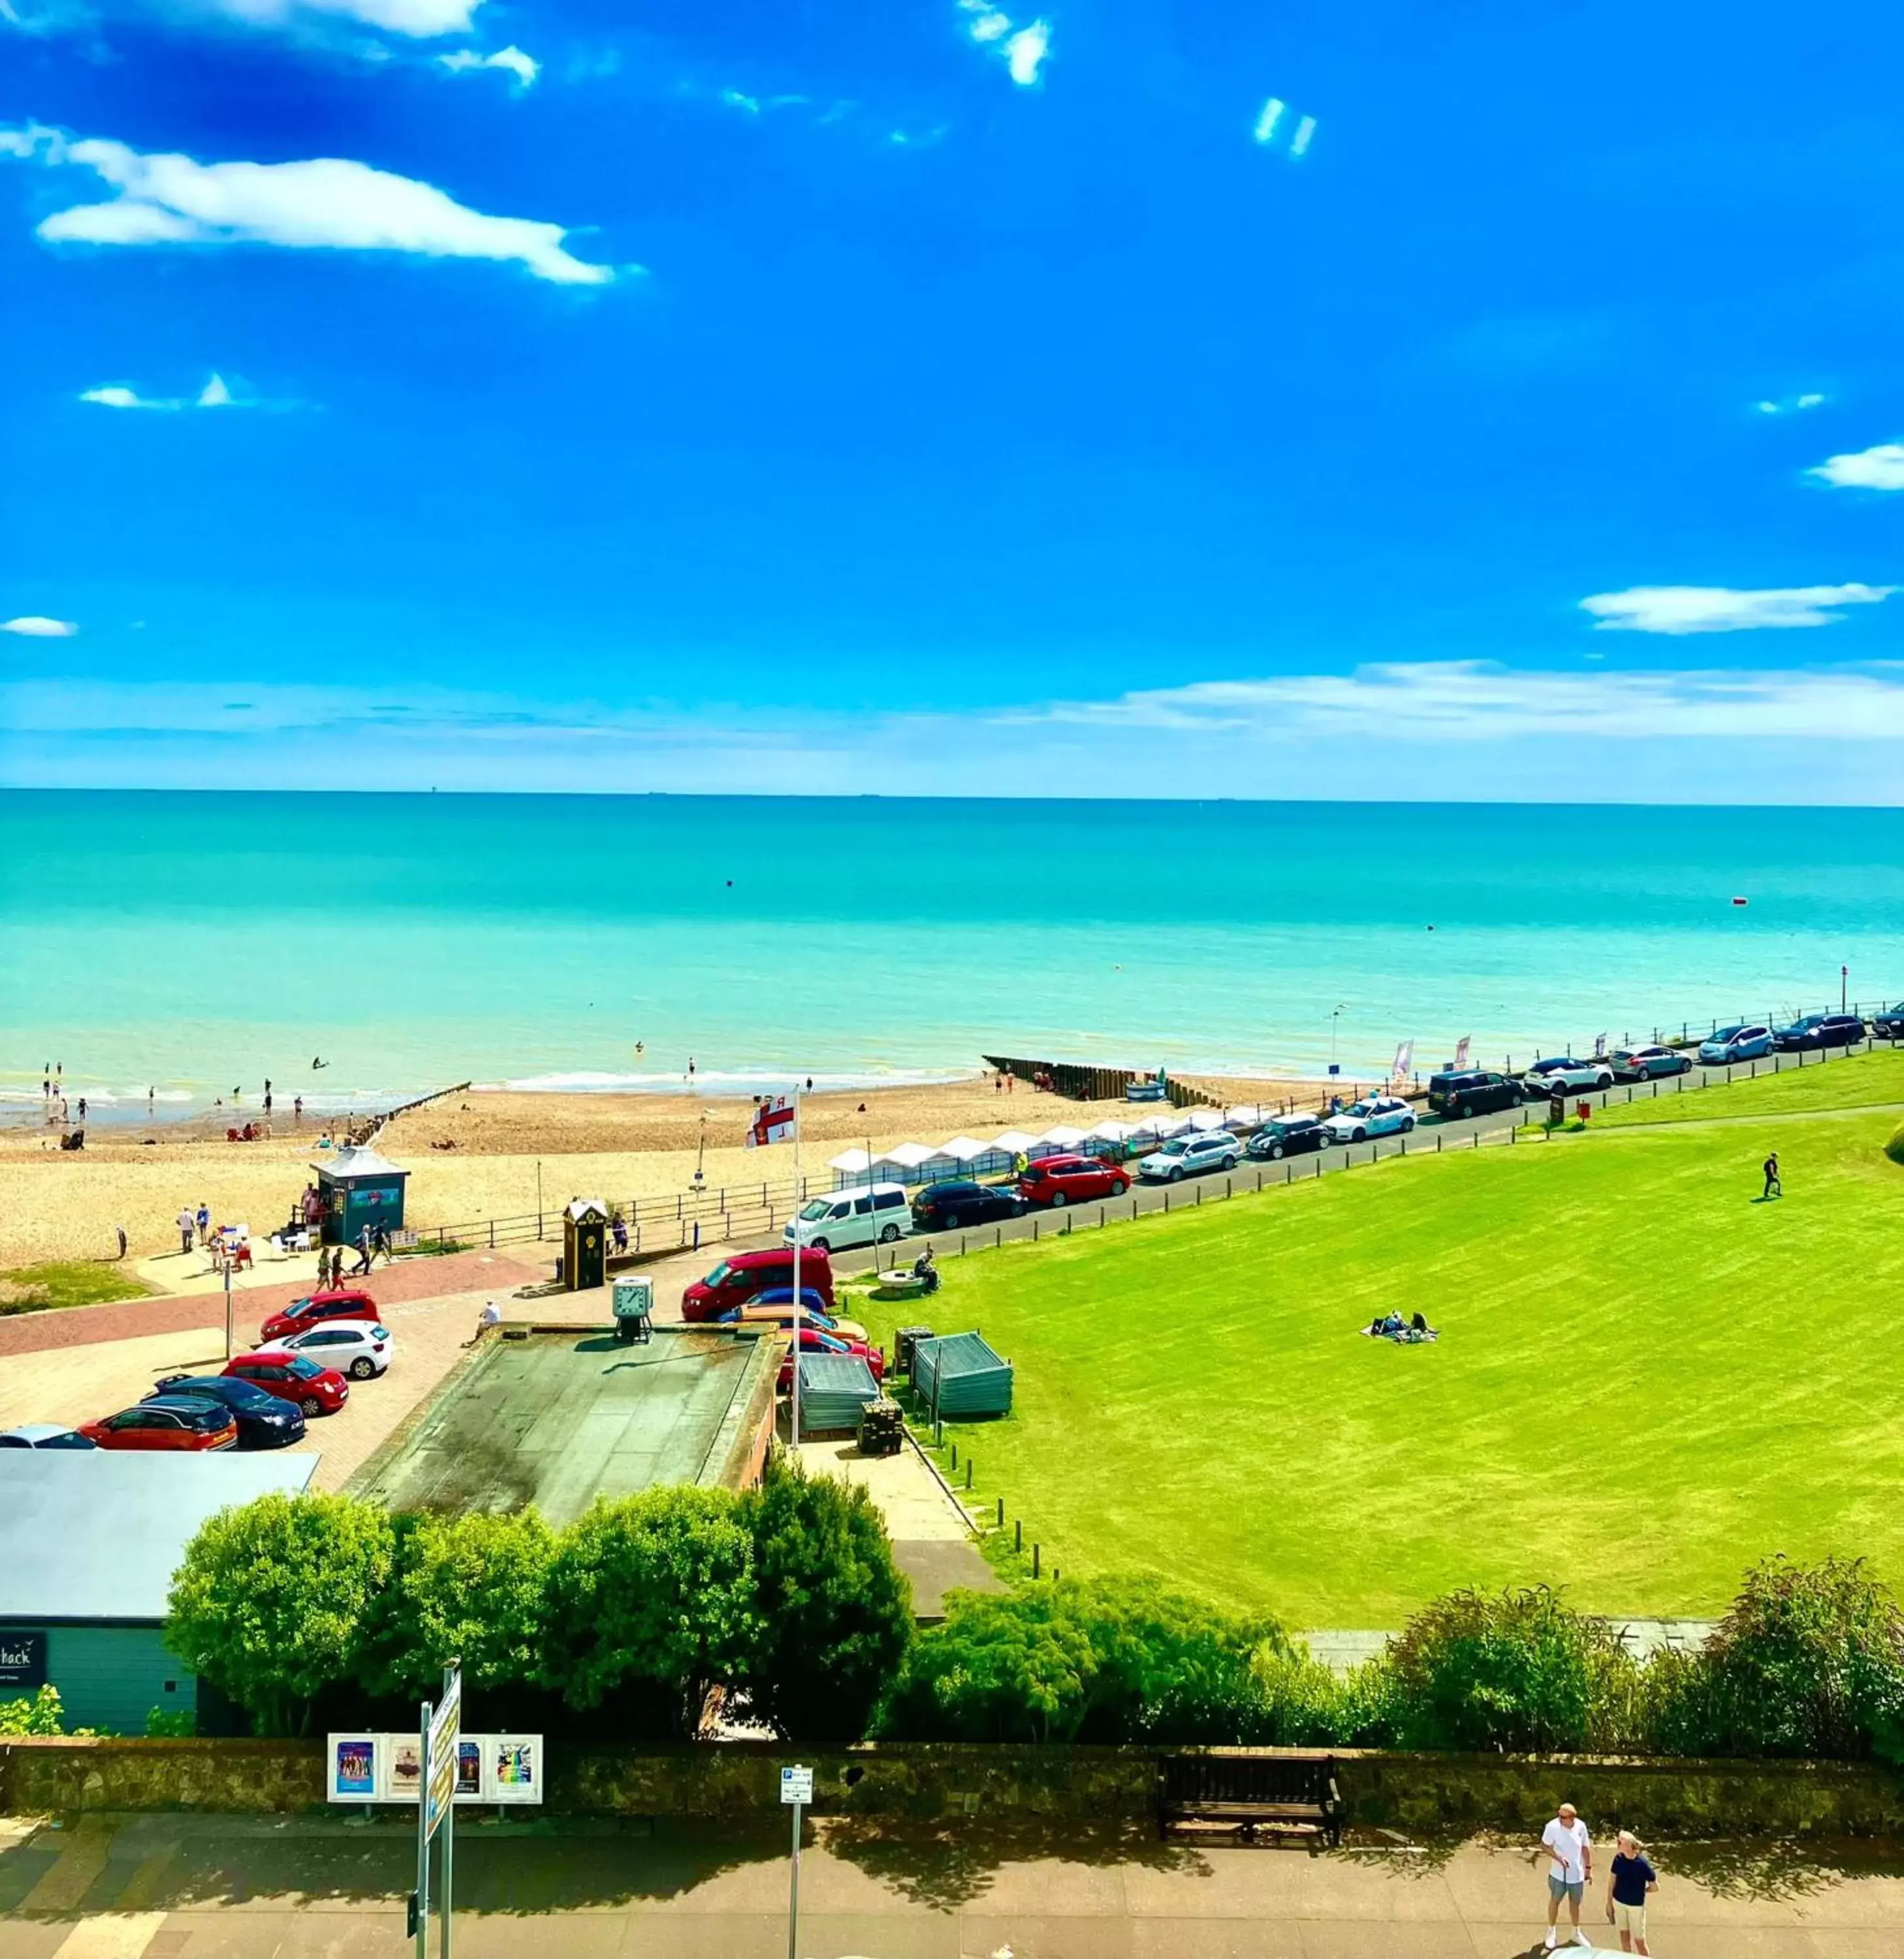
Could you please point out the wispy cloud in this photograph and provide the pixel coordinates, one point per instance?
(417, 20)
(732, 98)
(1880, 467)
(1713, 609)
(510, 61)
(329, 203)
(919, 139)
(1024, 50)
(1792, 404)
(31, 625)
(216, 393)
(1269, 119)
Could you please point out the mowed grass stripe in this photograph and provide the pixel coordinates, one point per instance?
(1646, 1379)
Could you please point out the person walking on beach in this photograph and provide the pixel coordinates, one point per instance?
(297, 1108)
(82, 1108)
(204, 1220)
(1773, 1188)
(1632, 1877)
(121, 1230)
(186, 1223)
(1565, 1844)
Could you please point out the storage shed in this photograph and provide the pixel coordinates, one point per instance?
(359, 1188)
(960, 1376)
(89, 1541)
(833, 1388)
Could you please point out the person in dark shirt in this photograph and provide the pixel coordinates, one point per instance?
(1773, 1188)
(1629, 1881)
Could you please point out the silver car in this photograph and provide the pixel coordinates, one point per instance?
(1562, 1073)
(1190, 1156)
(1741, 1043)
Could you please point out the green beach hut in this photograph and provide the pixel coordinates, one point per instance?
(359, 1188)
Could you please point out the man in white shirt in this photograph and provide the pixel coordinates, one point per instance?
(1569, 1851)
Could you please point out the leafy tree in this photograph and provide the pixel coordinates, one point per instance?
(274, 1597)
(656, 1593)
(835, 1613)
(472, 1588)
(1810, 1661)
(1513, 1670)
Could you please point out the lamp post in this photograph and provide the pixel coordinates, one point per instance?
(1341, 1008)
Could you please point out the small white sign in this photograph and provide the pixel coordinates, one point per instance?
(796, 1785)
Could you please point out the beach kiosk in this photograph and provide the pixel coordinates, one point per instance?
(584, 1244)
(359, 1188)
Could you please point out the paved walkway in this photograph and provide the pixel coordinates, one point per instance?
(182, 1887)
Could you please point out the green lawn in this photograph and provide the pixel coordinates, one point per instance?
(1646, 1379)
(64, 1282)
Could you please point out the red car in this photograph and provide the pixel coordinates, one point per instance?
(739, 1276)
(1061, 1180)
(303, 1314)
(293, 1378)
(813, 1341)
(167, 1421)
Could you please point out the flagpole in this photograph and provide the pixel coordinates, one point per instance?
(799, 1304)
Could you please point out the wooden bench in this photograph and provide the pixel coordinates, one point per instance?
(1250, 1797)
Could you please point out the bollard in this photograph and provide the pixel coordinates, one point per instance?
(1001, 1514)
(1034, 1561)
(968, 1472)
(1017, 1530)
(955, 1459)
(1034, 1227)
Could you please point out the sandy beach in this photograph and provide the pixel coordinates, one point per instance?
(55, 1204)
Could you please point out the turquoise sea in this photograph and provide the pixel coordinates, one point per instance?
(194, 943)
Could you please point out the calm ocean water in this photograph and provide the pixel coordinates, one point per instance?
(192, 943)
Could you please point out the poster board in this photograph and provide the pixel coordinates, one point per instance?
(366, 1767)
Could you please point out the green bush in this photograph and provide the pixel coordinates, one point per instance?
(835, 1613)
(170, 1723)
(1512, 1671)
(37, 1713)
(1894, 1149)
(651, 1601)
(1810, 1661)
(275, 1599)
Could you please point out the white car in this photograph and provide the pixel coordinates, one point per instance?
(1190, 1156)
(1731, 1044)
(1557, 1076)
(353, 1346)
(1373, 1115)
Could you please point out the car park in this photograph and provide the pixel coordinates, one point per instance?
(948, 1206)
(1191, 1156)
(1818, 1030)
(318, 1308)
(1287, 1136)
(1887, 1024)
(1050, 1182)
(1561, 1073)
(1646, 1064)
(293, 1377)
(178, 1424)
(872, 1213)
(1373, 1115)
(350, 1347)
(264, 1421)
(1743, 1041)
(45, 1435)
(1472, 1092)
(813, 1340)
(742, 1276)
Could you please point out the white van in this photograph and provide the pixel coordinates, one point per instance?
(879, 1210)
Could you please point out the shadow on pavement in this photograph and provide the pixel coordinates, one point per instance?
(1760, 1871)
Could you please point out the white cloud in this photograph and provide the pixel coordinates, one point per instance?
(327, 203)
(734, 99)
(31, 626)
(116, 397)
(510, 60)
(1709, 608)
(215, 394)
(1792, 404)
(1266, 123)
(1304, 133)
(992, 27)
(417, 20)
(1880, 467)
(1025, 51)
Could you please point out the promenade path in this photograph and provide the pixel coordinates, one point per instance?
(184, 1888)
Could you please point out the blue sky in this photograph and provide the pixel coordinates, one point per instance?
(953, 398)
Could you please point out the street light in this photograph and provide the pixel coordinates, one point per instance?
(1341, 1008)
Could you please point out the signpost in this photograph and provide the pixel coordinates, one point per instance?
(439, 1728)
(796, 1790)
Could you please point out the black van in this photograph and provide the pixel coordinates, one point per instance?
(1474, 1092)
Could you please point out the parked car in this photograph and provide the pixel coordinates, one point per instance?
(45, 1435)
(1643, 1064)
(1887, 1024)
(1287, 1136)
(945, 1207)
(1744, 1042)
(316, 1308)
(1191, 1156)
(1373, 1115)
(184, 1423)
(1818, 1030)
(293, 1377)
(1472, 1092)
(1555, 1077)
(264, 1421)
(1050, 1182)
(765, 1319)
(350, 1347)
(743, 1275)
(873, 1212)
(813, 1340)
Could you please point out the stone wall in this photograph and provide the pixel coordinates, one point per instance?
(1423, 1795)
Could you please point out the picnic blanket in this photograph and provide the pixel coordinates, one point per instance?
(1403, 1336)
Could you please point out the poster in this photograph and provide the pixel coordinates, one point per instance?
(516, 1768)
(469, 1767)
(354, 1762)
(406, 1768)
